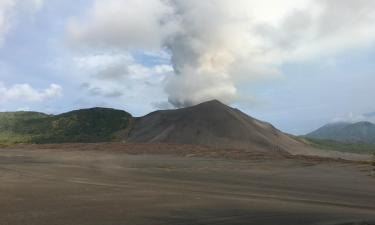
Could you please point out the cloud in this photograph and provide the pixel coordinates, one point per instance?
(97, 91)
(26, 108)
(25, 92)
(370, 114)
(10, 10)
(113, 94)
(162, 105)
(112, 75)
(138, 24)
(370, 117)
(105, 66)
(117, 67)
(215, 46)
(350, 118)
(354, 118)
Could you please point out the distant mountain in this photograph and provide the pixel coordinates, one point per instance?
(361, 132)
(85, 125)
(328, 130)
(211, 124)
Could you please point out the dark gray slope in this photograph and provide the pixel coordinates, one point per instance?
(211, 124)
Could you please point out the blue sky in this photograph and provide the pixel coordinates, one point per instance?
(295, 73)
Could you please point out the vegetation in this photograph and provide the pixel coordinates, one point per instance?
(341, 146)
(86, 125)
(363, 132)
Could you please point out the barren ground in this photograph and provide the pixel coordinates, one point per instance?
(100, 184)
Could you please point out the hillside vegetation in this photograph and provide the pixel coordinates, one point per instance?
(85, 125)
(361, 148)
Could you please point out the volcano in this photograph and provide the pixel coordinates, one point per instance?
(212, 124)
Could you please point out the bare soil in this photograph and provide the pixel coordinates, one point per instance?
(121, 184)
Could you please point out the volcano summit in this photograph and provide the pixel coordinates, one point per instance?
(212, 124)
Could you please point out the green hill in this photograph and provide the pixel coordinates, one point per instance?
(361, 148)
(85, 125)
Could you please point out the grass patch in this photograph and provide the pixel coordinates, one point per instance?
(341, 146)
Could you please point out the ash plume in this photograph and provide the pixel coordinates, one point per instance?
(217, 45)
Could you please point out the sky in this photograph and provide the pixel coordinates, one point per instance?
(297, 64)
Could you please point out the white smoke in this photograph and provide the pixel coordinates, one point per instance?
(216, 45)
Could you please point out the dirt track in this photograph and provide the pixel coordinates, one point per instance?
(68, 187)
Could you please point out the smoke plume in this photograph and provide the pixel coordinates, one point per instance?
(217, 45)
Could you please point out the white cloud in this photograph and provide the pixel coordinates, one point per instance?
(24, 92)
(4, 26)
(10, 10)
(117, 67)
(217, 45)
(354, 118)
(138, 24)
(369, 117)
(25, 108)
(117, 75)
